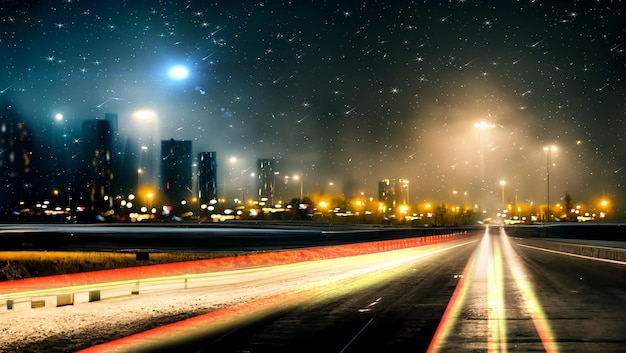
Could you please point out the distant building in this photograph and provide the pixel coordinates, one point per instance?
(15, 162)
(266, 179)
(95, 170)
(176, 171)
(207, 177)
(124, 165)
(393, 192)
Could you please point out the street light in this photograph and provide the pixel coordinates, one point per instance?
(146, 127)
(297, 177)
(549, 150)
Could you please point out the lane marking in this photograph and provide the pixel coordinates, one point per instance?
(370, 305)
(357, 335)
(575, 255)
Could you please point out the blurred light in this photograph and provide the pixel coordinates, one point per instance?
(178, 72)
(144, 114)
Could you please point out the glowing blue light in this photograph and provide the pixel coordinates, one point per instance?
(178, 72)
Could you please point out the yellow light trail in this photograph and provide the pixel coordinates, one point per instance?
(361, 271)
(496, 322)
(537, 315)
(490, 255)
(457, 300)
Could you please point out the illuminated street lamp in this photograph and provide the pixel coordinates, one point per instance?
(146, 121)
(61, 158)
(296, 177)
(604, 203)
(549, 150)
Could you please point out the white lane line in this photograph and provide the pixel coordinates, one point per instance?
(357, 335)
(370, 305)
(575, 255)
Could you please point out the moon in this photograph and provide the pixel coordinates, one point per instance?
(178, 72)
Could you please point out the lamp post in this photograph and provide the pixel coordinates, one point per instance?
(146, 125)
(502, 183)
(480, 126)
(273, 189)
(62, 162)
(548, 150)
(297, 177)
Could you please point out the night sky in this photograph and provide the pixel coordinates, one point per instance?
(345, 92)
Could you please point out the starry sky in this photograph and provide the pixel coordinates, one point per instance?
(348, 92)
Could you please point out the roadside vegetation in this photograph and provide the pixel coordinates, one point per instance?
(26, 264)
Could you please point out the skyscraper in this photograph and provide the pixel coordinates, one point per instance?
(123, 164)
(176, 171)
(266, 180)
(393, 192)
(207, 177)
(95, 171)
(15, 161)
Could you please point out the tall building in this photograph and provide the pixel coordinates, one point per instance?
(96, 172)
(123, 164)
(207, 177)
(393, 192)
(176, 171)
(266, 179)
(15, 162)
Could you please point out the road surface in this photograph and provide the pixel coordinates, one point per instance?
(495, 295)
(487, 293)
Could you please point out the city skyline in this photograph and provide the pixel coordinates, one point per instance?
(178, 176)
(452, 96)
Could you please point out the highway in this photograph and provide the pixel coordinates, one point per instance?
(494, 295)
(484, 293)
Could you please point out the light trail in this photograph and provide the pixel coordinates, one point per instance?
(542, 326)
(496, 322)
(346, 275)
(457, 300)
(489, 257)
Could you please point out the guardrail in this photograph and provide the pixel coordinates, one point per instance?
(58, 297)
(600, 252)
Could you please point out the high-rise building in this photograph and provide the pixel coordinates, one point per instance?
(95, 172)
(207, 177)
(393, 192)
(266, 179)
(176, 171)
(15, 162)
(124, 165)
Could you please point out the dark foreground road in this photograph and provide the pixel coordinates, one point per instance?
(493, 295)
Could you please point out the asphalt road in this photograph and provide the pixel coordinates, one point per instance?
(493, 295)
(484, 293)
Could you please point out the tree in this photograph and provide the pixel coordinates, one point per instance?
(301, 208)
(440, 216)
(569, 206)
